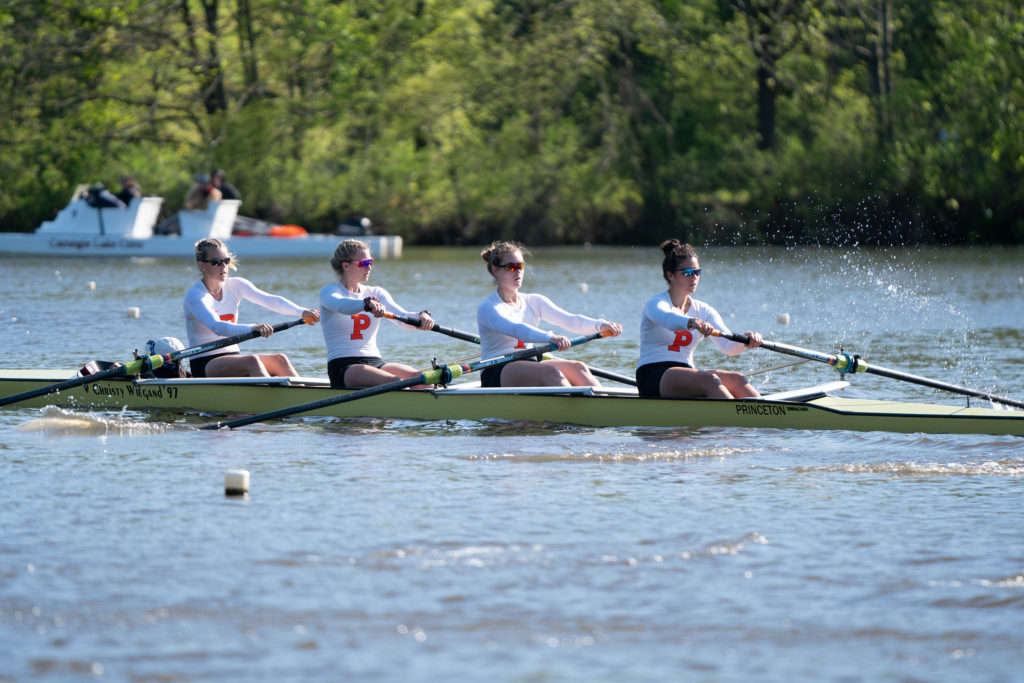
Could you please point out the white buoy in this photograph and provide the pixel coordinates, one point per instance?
(584, 287)
(90, 285)
(133, 312)
(783, 318)
(236, 482)
(1020, 281)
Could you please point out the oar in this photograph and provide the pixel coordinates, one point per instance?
(415, 322)
(442, 374)
(845, 363)
(143, 364)
(466, 336)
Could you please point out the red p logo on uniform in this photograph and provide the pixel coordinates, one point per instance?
(359, 323)
(683, 338)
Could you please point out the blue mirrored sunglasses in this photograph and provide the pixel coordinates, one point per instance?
(689, 272)
(364, 263)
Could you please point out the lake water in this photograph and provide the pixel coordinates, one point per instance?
(408, 551)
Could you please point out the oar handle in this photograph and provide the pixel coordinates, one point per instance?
(731, 336)
(451, 332)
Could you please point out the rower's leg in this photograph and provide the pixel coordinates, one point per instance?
(576, 372)
(236, 365)
(528, 373)
(278, 365)
(691, 383)
(358, 375)
(737, 384)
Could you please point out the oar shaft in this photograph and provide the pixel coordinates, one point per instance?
(116, 371)
(935, 384)
(608, 374)
(451, 332)
(466, 336)
(141, 364)
(439, 375)
(845, 363)
(433, 376)
(230, 341)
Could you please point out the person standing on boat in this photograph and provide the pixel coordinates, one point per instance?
(211, 313)
(672, 326)
(201, 194)
(129, 189)
(352, 311)
(227, 190)
(508, 319)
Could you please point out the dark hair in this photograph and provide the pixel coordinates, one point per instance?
(675, 253)
(496, 253)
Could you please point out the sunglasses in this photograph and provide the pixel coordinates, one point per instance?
(689, 272)
(217, 261)
(364, 263)
(513, 267)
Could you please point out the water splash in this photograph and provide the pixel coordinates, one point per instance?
(1011, 467)
(64, 422)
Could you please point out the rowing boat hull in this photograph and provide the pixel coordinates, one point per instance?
(610, 408)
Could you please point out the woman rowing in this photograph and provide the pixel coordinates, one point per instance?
(667, 339)
(508, 320)
(352, 311)
(211, 313)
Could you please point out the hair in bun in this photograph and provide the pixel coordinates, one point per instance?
(675, 253)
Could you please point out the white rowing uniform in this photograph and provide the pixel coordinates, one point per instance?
(349, 331)
(663, 333)
(207, 319)
(505, 328)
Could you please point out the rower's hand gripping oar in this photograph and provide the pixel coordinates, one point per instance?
(144, 364)
(472, 338)
(847, 364)
(442, 374)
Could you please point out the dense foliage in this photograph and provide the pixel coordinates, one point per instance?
(457, 121)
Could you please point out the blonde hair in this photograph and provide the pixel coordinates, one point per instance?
(496, 253)
(344, 252)
(208, 244)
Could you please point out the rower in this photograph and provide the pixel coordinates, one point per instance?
(352, 312)
(211, 312)
(508, 319)
(667, 339)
